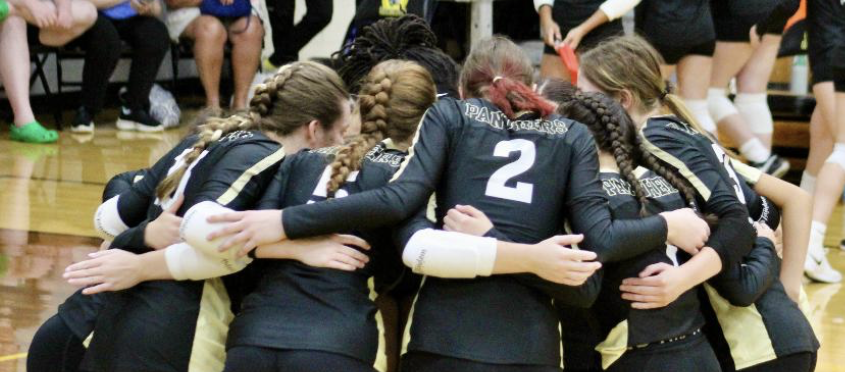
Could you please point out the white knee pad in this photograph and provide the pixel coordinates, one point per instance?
(698, 108)
(837, 156)
(107, 221)
(446, 254)
(195, 228)
(719, 105)
(754, 108)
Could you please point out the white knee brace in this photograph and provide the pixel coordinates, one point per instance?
(195, 229)
(698, 108)
(837, 156)
(719, 105)
(754, 108)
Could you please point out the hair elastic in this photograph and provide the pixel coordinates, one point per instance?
(497, 78)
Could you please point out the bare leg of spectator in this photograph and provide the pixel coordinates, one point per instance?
(83, 14)
(246, 55)
(693, 82)
(14, 68)
(209, 37)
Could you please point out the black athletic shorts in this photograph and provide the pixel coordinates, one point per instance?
(568, 15)
(800, 362)
(673, 54)
(731, 26)
(826, 34)
(690, 354)
(417, 361)
(260, 359)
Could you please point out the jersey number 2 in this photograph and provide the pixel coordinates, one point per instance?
(523, 191)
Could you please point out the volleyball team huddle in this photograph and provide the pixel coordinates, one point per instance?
(518, 225)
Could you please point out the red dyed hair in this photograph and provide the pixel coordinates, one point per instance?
(498, 70)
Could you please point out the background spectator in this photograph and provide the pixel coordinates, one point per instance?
(136, 22)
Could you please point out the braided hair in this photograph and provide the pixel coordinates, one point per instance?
(408, 38)
(393, 99)
(297, 94)
(615, 133)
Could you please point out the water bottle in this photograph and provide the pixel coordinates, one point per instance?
(799, 81)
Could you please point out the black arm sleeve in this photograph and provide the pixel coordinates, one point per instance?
(406, 194)
(588, 212)
(581, 296)
(132, 240)
(744, 283)
(122, 182)
(776, 21)
(733, 238)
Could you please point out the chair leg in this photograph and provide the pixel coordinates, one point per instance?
(59, 84)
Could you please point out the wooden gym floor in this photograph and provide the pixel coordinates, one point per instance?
(48, 194)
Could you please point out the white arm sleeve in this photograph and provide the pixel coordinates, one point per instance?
(539, 4)
(107, 220)
(615, 9)
(449, 254)
(195, 228)
(186, 263)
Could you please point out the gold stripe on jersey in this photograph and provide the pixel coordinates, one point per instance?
(744, 331)
(560, 339)
(410, 150)
(236, 187)
(87, 341)
(406, 334)
(431, 209)
(614, 345)
(751, 174)
(680, 166)
(381, 355)
(208, 352)
(137, 178)
(640, 171)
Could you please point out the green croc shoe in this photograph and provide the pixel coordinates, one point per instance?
(4, 10)
(33, 133)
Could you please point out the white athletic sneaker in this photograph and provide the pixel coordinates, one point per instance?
(817, 268)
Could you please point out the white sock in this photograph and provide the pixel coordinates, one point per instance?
(808, 182)
(816, 247)
(701, 113)
(755, 151)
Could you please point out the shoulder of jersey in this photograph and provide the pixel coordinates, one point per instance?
(245, 136)
(669, 125)
(386, 154)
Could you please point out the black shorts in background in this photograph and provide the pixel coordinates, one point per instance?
(570, 14)
(826, 36)
(673, 54)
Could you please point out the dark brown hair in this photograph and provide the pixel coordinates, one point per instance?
(297, 94)
(616, 134)
(498, 70)
(393, 99)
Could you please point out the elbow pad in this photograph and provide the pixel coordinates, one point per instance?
(449, 254)
(615, 9)
(195, 228)
(186, 263)
(107, 220)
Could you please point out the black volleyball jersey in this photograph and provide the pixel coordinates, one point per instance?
(527, 176)
(707, 168)
(622, 326)
(298, 307)
(79, 311)
(752, 320)
(675, 23)
(136, 203)
(181, 326)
